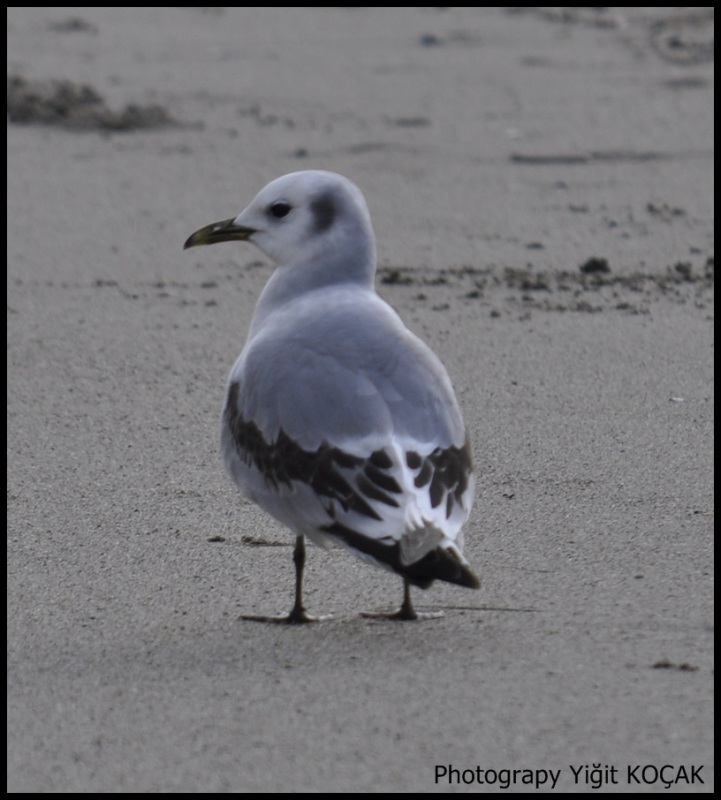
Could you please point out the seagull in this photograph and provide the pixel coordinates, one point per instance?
(338, 421)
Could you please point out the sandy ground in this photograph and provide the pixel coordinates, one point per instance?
(541, 183)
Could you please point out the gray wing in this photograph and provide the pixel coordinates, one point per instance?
(349, 374)
(344, 426)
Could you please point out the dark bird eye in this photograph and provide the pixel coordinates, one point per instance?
(280, 209)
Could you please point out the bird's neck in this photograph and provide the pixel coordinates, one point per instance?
(289, 283)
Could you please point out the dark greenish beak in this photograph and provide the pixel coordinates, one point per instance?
(225, 231)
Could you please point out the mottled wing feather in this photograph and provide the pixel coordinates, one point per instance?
(363, 496)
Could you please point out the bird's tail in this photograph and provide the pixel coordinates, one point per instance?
(444, 563)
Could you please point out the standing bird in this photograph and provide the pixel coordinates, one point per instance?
(338, 421)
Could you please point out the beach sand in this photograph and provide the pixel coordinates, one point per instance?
(541, 186)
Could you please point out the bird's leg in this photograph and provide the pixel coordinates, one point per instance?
(297, 614)
(406, 611)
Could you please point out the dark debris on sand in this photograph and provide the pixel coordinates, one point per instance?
(76, 107)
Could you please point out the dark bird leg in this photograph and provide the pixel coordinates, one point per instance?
(297, 614)
(406, 611)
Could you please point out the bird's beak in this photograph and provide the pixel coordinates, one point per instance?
(225, 231)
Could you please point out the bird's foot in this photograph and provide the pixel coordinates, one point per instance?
(297, 616)
(403, 614)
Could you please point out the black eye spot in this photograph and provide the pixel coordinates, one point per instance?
(324, 211)
(280, 209)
